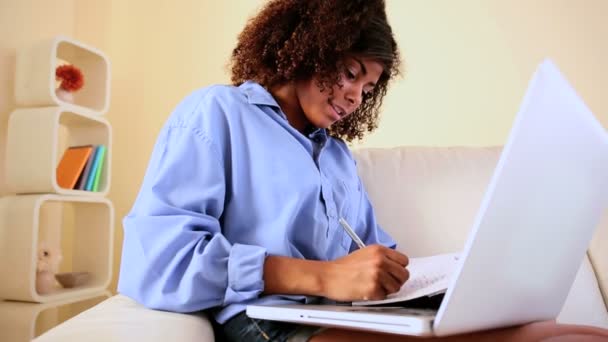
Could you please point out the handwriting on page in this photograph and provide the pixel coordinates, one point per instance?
(428, 276)
(420, 283)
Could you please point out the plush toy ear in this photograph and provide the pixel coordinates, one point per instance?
(49, 257)
(43, 257)
(42, 249)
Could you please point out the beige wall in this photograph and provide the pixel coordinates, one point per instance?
(467, 64)
(23, 22)
(160, 51)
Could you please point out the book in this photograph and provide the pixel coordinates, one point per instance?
(91, 177)
(71, 165)
(102, 154)
(429, 276)
(84, 175)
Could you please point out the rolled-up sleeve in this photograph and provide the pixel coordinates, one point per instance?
(244, 273)
(174, 254)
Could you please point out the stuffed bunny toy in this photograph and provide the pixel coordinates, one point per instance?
(49, 258)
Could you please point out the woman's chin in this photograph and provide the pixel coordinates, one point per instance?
(326, 122)
(321, 123)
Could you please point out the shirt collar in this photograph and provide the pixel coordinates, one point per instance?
(318, 135)
(258, 95)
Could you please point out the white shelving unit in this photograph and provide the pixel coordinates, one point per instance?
(36, 140)
(21, 321)
(35, 75)
(78, 223)
(86, 222)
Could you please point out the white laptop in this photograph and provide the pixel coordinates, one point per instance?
(530, 234)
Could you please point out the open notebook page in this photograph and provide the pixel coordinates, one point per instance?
(428, 276)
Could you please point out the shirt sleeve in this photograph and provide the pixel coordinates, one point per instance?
(175, 257)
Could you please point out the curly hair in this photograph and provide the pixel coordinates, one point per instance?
(300, 39)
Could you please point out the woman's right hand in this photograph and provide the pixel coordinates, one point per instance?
(370, 273)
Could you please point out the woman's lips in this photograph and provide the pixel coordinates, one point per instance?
(336, 111)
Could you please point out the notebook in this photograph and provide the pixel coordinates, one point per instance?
(429, 276)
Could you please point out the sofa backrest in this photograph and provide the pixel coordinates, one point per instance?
(598, 254)
(426, 198)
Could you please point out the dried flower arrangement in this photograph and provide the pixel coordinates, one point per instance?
(71, 79)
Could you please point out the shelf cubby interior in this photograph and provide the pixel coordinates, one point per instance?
(95, 72)
(77, 130)
(80, 231)
(37, 139)
(35, 75)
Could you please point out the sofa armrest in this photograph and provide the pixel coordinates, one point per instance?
(119, 318)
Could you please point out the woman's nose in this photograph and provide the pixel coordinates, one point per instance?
(353, 96)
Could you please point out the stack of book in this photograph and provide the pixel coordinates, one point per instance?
(80, 167)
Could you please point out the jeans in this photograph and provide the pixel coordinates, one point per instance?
(243, 328)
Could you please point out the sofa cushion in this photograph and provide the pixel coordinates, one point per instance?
(421, 193)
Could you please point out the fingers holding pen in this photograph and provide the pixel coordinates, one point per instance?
(394, 273)
(397, 257)
(397, 271)
(375, 270)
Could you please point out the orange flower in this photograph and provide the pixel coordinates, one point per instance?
(70, 76)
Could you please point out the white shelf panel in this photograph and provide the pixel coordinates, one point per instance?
(20, 321)
(35, 82)
(37, 138)
(82, 226)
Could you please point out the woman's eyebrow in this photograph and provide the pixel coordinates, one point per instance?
(363, 70)
(361, 65)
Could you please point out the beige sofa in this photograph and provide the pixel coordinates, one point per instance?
(425, 198)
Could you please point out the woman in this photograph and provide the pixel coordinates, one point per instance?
(246, 184)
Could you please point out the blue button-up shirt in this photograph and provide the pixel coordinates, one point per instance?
(229, 182)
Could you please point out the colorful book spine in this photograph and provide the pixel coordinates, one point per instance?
(91, 176)
(102, 151)
(84, 175)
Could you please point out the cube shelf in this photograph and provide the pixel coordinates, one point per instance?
(37, 138)
(21, 321)
(82, 226)
(35, 82)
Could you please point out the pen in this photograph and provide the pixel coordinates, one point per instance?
(349, 230)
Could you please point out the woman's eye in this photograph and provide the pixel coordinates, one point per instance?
(350, 75)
